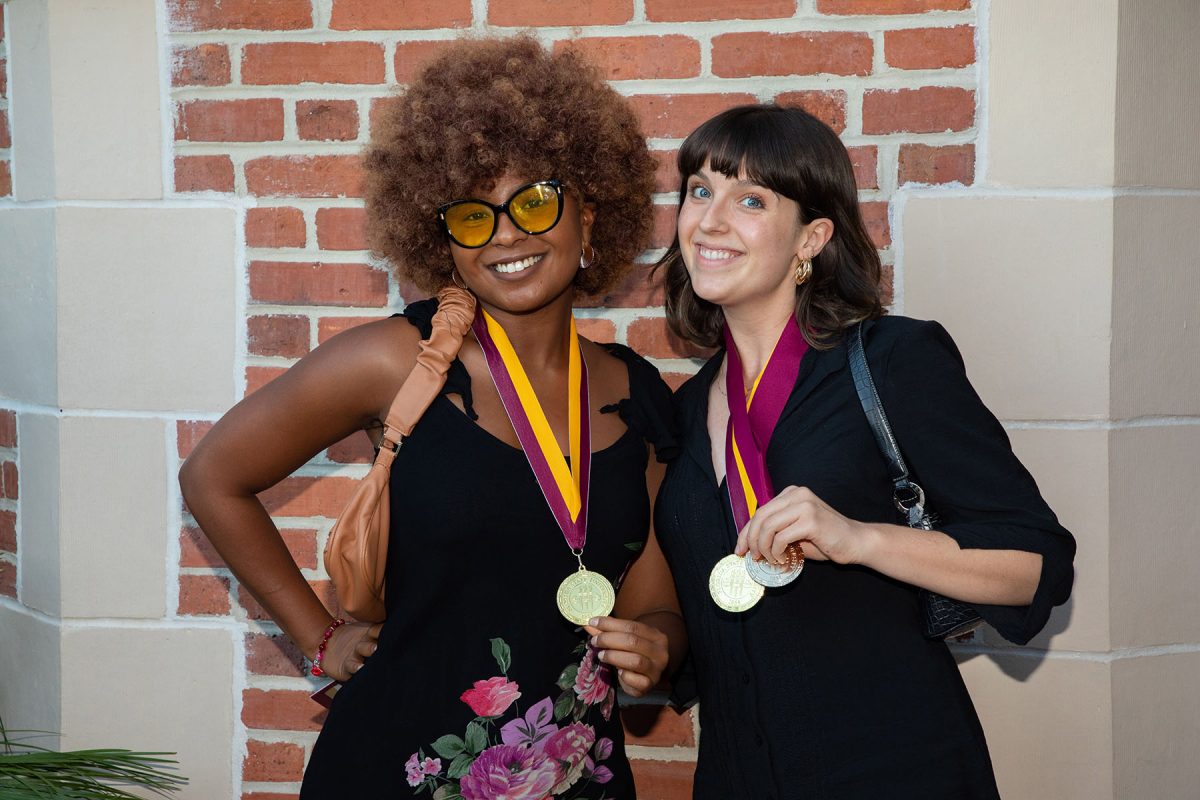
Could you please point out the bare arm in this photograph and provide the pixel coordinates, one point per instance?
(339, 388)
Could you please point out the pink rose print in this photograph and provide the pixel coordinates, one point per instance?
(417, 769)
(509, 772)
(492, 697)
(593, 684)
(569, 747)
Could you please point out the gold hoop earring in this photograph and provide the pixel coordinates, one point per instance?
(455, 278)
(584, 260)
(803, 271)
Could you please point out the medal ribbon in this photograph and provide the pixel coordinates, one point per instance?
(752, 421)
(564, 487)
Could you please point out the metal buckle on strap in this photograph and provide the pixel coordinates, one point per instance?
(909, 497)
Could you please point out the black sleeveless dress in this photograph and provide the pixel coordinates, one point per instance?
(479, 688)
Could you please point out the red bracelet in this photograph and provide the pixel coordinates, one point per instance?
(316, 664)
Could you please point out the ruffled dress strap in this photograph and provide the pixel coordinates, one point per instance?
(458, 380)
(647, 410)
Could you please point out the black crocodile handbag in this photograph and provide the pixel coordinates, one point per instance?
(944, 618)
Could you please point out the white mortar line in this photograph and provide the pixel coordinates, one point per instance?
(479, 14)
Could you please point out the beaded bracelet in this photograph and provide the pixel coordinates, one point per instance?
(316, 670)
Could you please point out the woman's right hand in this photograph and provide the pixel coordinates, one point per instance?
(349, 647)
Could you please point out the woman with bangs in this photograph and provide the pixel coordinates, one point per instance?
(519, 177)
(803, 591)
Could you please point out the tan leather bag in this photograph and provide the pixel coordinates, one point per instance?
(356, 553)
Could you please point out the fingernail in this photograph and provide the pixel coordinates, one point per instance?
(374, 647)
(592, 641)
(600, 655)
(594, 621)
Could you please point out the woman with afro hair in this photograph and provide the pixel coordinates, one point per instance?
(517, 175)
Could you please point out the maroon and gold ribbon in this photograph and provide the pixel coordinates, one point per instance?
(753, 416)
(564, 486)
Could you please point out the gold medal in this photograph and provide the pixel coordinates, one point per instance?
(585, 594)
(731, 586)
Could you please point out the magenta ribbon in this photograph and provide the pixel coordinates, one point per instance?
(753, 427)
(573, 530)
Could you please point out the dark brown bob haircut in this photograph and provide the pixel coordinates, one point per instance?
(794, 154)
(488, 106)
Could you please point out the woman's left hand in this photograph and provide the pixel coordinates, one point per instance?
(798, 515)
(637, 651)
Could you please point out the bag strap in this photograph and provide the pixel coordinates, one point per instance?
(908, 496)
(451, 321)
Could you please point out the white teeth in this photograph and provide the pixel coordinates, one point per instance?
(717, 255)
(517, 266)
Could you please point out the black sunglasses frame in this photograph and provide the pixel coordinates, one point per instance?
(502, 209)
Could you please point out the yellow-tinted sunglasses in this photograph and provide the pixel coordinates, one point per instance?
(534, 208)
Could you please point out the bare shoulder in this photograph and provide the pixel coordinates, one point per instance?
(607, 373)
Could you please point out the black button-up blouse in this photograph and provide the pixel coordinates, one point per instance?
(827, 688)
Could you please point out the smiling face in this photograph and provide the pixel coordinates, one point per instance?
(517, 271)
(740, 241)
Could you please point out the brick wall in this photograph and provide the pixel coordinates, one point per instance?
(5, 128)
(9, 495)
(272, 105)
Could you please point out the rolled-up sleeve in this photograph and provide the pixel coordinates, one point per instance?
(960, 455)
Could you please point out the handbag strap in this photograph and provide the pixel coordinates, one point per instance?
(450, 323)
(908, 496)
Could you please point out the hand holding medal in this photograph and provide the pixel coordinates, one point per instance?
(737, 583)
(583, 594)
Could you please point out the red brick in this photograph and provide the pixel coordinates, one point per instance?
(874, 7)
(676, 115)
(887, 284)
(921, 163)
(624, 58)
(663, 780)
(203, 174)
(740, 55)
(5, 135)
(229, 120)
(273, 761)
(3, 77)
(342, 228)
(676, 379)
(202, 65)
(275, 226)
(9, 481)
(829, 107)
(8, 531)
(273, 655)
(188, 434)
(258, 377)
(657, 726)
(412, 56)
(281, 709)
(309, 497)
(317, 284)
(1, 23)
(8, 579)
(312, 62)
(8, 428)
(598, 330)
(930, 109)
(263, 15)
(666, 177)
(665, 217)
(324, 590)
(5, 179)
(639, 289)
(540, 13)
(929, 48)
(875, 217)
(327, 120)
(203, 595)
(328, 327)
(305, 176)
(687, 10)
(409, 15)
(651, 337)
(277, 335)
(195, 550)
(354, 449)
(302, 545)
(865, 162)
(270, 796)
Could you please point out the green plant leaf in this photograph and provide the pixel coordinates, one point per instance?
(447, 792)
(449, 746)
(567, 679)
(502, 653)
(459, 766)
(634, 546)
(477, 738)
(564, 705)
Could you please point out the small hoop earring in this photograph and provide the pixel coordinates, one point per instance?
(584, 260)
(455, 278)
(803, 271)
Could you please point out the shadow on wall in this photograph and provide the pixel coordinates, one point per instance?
(1023, 667)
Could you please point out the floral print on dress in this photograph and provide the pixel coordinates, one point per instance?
(547, 752)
